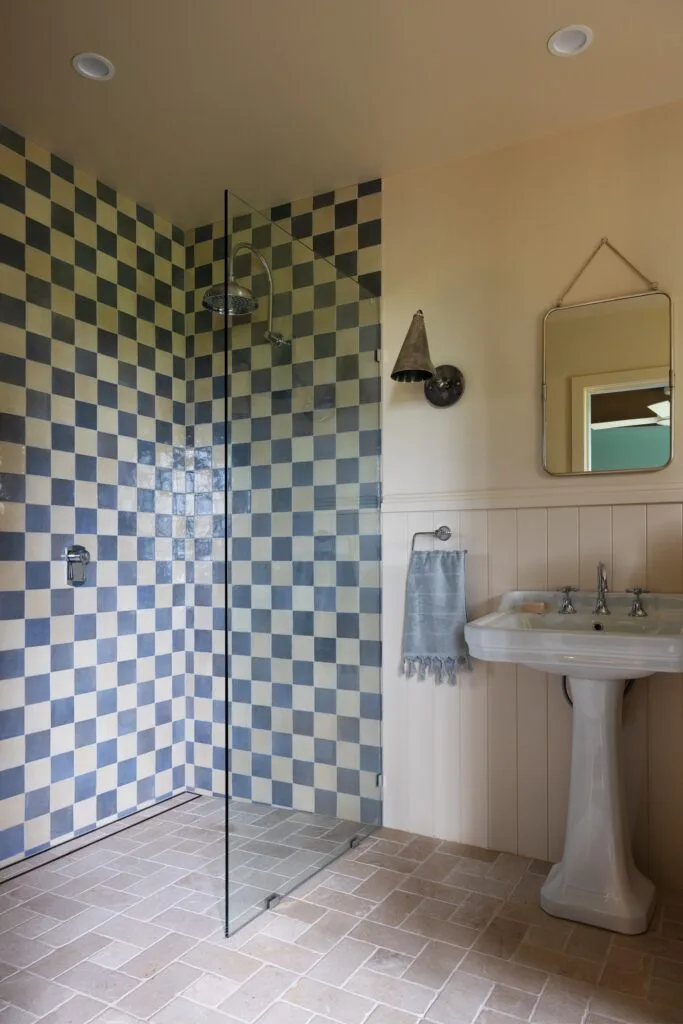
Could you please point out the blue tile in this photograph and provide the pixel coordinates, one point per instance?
(106, 752)
(85, 627)
(37, 689)
(62, 766)
(11, 723)
(107, 702)
(62, 602)
(61, 822)
(86, 732)
(37, 803)
(37, 632)
(11, 664)
(86, 520)
(37, 745)
(303, 773)
(85, 786)
(61, 657)
(282, 794)
(12, 604)
(38, 518)
(13, 547)
(106, 651)
(106, 804)
(127, 771)
(11, 842)
(325, 751)
(62, 711)
(12, 487)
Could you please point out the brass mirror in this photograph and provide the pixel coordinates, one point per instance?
(608, 386)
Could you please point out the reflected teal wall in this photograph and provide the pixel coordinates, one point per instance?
(630, 447)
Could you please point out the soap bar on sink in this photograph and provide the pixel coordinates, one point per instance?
(532, 607)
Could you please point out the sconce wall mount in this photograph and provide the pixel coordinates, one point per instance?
(443, 385)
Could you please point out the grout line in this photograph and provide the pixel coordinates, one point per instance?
(92, 838)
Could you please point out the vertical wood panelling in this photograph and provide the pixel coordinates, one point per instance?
(665, 706)
(502, 693)
(629, 569)
(487, 762)
(473, 686)
(532, 697)
(595, 544)
(395, 725)
(446, 730)
(563, 570)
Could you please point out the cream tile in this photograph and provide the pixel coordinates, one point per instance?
(326, 932)
(98, 982)
(460, 1001)
(339, 1005)
(210, 990)
(256, 994)
(281, 954)
(504, 971)
(154, 993)
(182, 1011)
(385, 961)
(403, 995)
(395, 908)
(229, 963)
(434, 965)
(152, 960)
(13, 1015)
(386, 1015)
(511, 1001)
(114, 954)
(78, 1010)
(37, 996)
(501, 938)
(286, 1013)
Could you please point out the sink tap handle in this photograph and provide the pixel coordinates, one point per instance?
(602, 578)
(566, 607)
(637, 610)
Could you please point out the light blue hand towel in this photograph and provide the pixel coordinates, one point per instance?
(435, 615)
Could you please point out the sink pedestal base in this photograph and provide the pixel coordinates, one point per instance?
(597, 882)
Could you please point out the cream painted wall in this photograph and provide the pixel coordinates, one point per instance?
(484, 248)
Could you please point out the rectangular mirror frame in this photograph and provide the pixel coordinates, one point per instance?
(544, 389)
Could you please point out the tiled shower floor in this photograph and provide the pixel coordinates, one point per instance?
(401, 930)
(273, 850)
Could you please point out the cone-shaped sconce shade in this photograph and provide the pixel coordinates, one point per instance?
(414, 362)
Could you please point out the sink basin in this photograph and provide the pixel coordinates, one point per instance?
(596, 882)
(583, 646)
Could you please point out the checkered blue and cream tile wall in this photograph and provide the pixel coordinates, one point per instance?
(92, 436)
(303, 499)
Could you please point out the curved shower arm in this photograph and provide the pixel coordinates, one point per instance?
(245, 247)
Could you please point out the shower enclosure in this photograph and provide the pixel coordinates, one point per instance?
(298, 440)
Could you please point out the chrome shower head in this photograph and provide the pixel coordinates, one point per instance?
(240, 301)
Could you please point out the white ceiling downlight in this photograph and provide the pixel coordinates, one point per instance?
(570, 41)
(93, 66)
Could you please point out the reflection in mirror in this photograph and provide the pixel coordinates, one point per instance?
(607, 386)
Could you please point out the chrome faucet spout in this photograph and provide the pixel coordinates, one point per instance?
(600, 607)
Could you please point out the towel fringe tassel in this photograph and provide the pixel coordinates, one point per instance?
(443, 669)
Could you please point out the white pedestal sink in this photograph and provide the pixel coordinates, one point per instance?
(596, 882)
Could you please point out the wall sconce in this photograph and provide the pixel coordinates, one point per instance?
(443, 385)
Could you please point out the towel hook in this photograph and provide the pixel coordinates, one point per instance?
(441, 533)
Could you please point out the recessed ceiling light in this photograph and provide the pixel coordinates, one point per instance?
(93, 66)
(569, 41)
